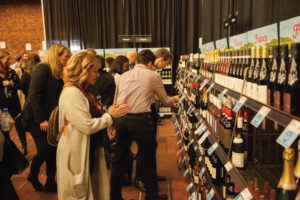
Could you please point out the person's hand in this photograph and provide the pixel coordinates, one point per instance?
(44, 126)
(11, 123)
(176, 99)
(6, 83)
(117, 111)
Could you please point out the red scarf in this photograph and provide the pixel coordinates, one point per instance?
(91, 97)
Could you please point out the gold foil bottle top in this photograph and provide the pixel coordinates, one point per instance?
(253, 52)
(265, 52)
(297, 167)
(258, 52)
(287, 180)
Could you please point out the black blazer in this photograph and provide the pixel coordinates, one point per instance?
(25, 83)
(105, 87)
(43, 95)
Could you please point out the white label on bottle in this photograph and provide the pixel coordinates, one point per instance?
(210, 87)
(203, 84)
(240, 121)
(290, 134)
(254, 91)
(189, 186)
(212, 148)
(262, 93)
(260, 115)
(201, 129)
(238, 159)
(192, 196)
(210, 194)
(244, 195)
(204, 114)
(228, 166)
(204, 136)
(239, 104)
(249, 89)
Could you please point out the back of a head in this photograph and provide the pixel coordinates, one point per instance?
(102, 61)
(167, 55)
(33, 60)
(18, 57)
(2, 55)
(91, 51)
(145, 56)
(116, 66)
(109, 60)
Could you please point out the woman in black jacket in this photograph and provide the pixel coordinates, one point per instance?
(32, 61)
(9, 84)
(45, 87)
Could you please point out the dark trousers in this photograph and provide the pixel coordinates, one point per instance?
(137, 127)
(7, 189)
(154, 118)
(14, 111)
(45, 152)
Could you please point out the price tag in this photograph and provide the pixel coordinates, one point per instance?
(222, 94)
(201, 172)
(210, 87)
(289, 134)
(259, 117)
(239, 104)
(201, 129)
(210, 194)
(244, 195)
(185, 173)
(179, 141)
(201, 140)
(228, 166)
(203, 84)
(189, 186)
(212, 148)
(192, 196)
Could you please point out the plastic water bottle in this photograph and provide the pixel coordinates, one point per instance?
(5, 120)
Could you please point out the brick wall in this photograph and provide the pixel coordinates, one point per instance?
(20, 23)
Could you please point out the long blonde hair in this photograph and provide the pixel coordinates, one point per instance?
(51, 58)
(76, 72)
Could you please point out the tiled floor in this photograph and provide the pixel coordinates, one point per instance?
(166, 161)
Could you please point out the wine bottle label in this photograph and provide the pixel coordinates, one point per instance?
(196, 179)
(240, 122)
(287, 102)
(213, 173)
(254, 91)
(249, 89)
(262, 93)
(228, 166)
(277, 99)
(238, 159)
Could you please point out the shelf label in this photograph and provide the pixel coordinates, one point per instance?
(260, 115)
(222, 94)
(179, 141)
(201, 129)
(289, 134)
(212, 148)
(239, 104)
(191, 142)
(201, 140)
(244, 195)
(228, 166)
(189, 186)
(203, 84)
(210, 87)
(210, 194)
(192, 196)
(185, 173)
(201, 172)
(199, 122)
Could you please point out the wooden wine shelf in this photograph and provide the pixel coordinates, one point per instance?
(233, 172)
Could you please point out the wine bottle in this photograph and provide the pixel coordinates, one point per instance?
(262, 88)
(228, 127)
(238, 152)
(287, 186)
(250, 73)
(282, 77)
(256, 62)
(297, 166)
(291, 94)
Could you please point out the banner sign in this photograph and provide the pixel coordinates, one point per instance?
(267, 35)
(290, 31)
(153, 49)
(238, 41)
(207, 46)
(222, 44)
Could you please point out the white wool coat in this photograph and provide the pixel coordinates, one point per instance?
(73, 176)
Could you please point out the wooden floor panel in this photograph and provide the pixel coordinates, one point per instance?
(166, 166)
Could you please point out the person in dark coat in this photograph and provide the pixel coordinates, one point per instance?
(45, 87)
(9, 84)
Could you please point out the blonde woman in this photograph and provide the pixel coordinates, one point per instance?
(81, 169)
(45, 87)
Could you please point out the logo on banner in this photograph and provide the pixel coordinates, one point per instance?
(296, 30)
(258, 39)
(237, 43)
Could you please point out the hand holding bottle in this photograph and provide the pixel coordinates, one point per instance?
(117, 111)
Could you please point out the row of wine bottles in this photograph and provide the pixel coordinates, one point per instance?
(272, 73)
(165, 73)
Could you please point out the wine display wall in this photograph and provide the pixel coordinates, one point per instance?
(236, 106)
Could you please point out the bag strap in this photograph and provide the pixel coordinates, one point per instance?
(92, 99)
(61, 131)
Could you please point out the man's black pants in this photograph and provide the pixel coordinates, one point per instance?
(137, 127)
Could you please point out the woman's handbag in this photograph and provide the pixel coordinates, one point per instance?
(14, 160)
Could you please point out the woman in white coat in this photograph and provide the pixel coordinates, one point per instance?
(81, 169)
